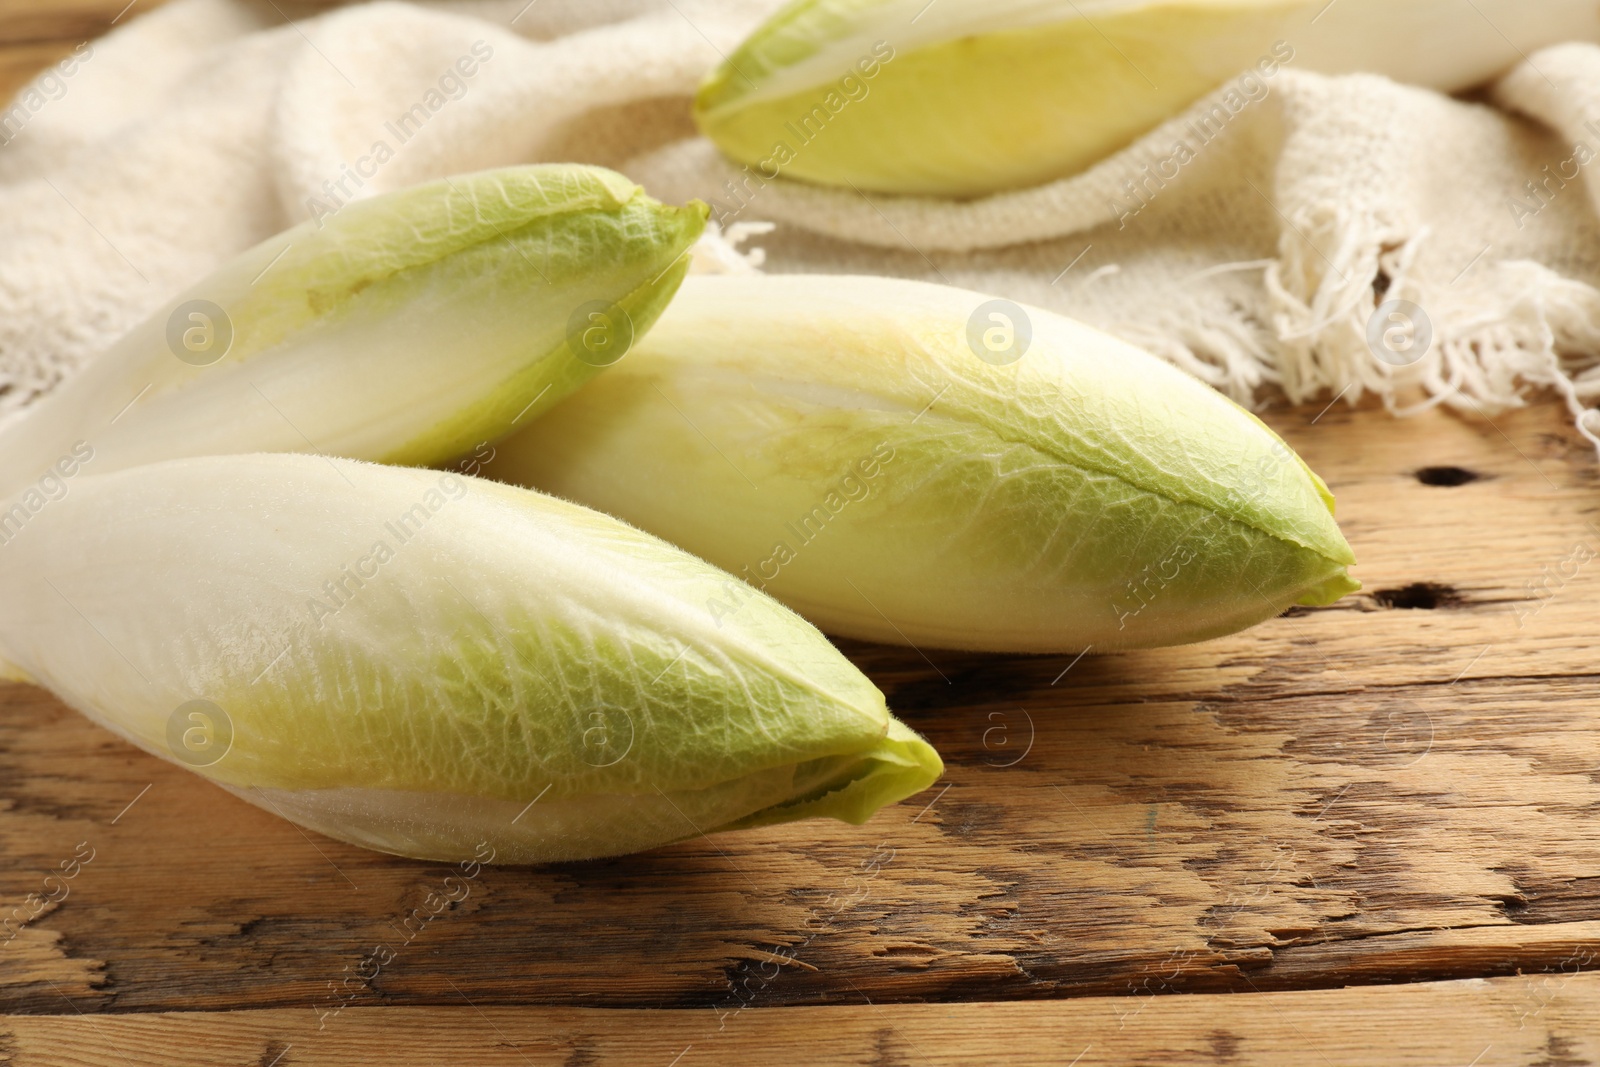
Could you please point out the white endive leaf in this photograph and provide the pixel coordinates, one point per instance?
(967, 97)
(839, 443)
(421, 662)
(407, 328)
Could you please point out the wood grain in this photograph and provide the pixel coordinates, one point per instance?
(1550, 1022)
(20, 62)
(1399, 788)
(59, 20)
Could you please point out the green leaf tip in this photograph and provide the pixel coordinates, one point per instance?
(851, 446)
(410, 328)
(900, 765)
(419, 662)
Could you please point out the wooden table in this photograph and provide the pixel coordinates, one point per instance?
(1378, 822)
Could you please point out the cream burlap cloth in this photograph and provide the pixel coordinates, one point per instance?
(1326, 236)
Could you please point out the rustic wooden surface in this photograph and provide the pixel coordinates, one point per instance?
(1397, 789)
(58, 20)
(1403, 788)
(1501, 1021)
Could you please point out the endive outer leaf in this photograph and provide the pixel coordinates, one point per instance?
(965, 97)
(407, 328)
(836, 442)
(406, 660)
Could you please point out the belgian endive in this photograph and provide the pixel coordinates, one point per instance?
(966, 97)
(913, 463)
(424, 663)
(407, 328)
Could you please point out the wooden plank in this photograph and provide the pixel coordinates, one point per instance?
(58, 20)
(20, 62)
(71, 21)
(1399, 788)
(1505, 1021)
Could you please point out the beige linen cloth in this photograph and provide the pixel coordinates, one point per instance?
(1311, 222)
